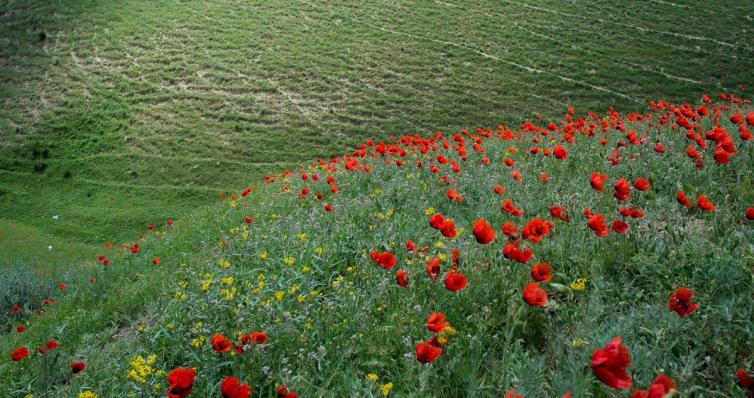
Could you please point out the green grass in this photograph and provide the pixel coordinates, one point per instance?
(132, 112)
(47, 254)
(305, 277)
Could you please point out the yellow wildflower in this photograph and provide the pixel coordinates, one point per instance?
(579, 284)
(373, 377)
(385, 388)
(429, 211)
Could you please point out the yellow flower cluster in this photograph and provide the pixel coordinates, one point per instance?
(87, 394)
(229, 294)
(205, 281)
(198, 342)
(579, 284)
(141, 368)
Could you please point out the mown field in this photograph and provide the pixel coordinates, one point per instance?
(117, 114)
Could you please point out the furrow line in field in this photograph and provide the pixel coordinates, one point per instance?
(483, 54)
(577, 30)
(632, 66)
(627, 25)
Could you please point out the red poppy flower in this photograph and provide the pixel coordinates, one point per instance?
(498, 189)
(483, 232)
(436, 322)
(543, 177)
(622, 189)
(559, 152)
(135, 249)
(437, 221)
(609, 364)
(704, 203)
(642, 184)
(541, 272)
(181, 381)
(385, 260)
(220, 343)
(749, 213)
(750, 118)
(16, 309)
(170, 221)
(49, 346)
(448, 229)
(426, 352)
(535, 230)
(61, 286)
(620, 226)
(597, 223)
(401, 278)
(454, 196)
(746, 381)
(597, 181)
(258, 338)
(156, 260)
(509, 229)
(231, 387)
(511, 209)
(77, 367)
(680, 302)
(410, 245)
(150, 227)
(248, 220)
(284, 392)
(659, 148)
(513, 251)
(559, 213)
(20, 328)
(681, 198)
(534, 295)
(433, 268)
(455, 281)
(328, 207)
(19, 354)
(660, 387)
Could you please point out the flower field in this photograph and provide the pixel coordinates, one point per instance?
(591, 255)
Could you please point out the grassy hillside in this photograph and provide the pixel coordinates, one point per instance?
(114, 115)
(313, 274)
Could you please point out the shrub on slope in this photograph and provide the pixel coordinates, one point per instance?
(417, 268)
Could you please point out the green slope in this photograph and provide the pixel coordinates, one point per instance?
(304, 276)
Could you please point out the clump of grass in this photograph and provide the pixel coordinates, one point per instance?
(21, 287)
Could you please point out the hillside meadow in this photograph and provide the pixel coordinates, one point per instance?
(593, 255)
(376, 199)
